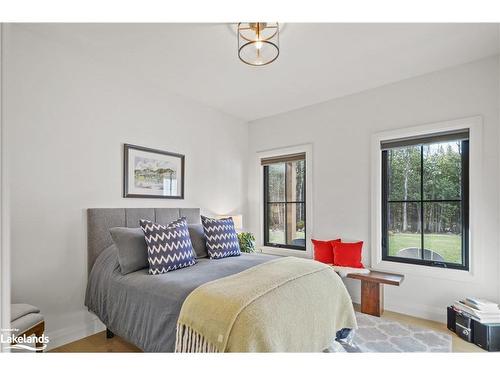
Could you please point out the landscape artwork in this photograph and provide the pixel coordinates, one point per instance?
(151, 173)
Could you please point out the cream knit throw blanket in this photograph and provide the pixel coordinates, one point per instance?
(284, 305)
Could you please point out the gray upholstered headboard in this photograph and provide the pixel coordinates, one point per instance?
(100, 220)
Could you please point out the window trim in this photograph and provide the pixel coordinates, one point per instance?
(464, 203)
(477, 262)
(265, 154)
(266, 203)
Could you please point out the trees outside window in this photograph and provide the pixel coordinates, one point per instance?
(425, 201)
(284, 202)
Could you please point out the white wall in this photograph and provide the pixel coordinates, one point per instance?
(340, 131)
(67, 116)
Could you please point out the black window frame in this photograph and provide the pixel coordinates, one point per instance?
(267, 203)
(464, 199)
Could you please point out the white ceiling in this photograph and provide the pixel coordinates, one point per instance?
(317, 62)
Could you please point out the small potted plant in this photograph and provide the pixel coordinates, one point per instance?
(247, 242)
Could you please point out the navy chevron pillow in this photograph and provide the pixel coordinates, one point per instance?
(169, 247)
(222, 240)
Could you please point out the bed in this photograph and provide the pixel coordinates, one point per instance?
(145, 309)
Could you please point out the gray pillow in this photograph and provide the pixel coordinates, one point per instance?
(132, 248)
(198, 240)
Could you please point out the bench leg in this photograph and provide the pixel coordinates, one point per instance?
(39, 330)
(372, 298)
(109, 334)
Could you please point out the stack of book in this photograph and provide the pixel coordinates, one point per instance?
(483, 311)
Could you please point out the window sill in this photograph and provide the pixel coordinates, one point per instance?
(285, 252)
(426, 263)
(426, 271)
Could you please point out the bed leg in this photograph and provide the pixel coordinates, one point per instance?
(109, 334)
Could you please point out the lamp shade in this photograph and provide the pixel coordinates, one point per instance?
(237, 220)
(258, 42)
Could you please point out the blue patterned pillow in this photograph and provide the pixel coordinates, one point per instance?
(169, 247)
(222, 240)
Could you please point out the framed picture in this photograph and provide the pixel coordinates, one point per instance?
(150, 173)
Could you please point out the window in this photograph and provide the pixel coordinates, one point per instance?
(425, 200)
(284, 201)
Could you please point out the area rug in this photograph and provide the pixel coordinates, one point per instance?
(379, 335)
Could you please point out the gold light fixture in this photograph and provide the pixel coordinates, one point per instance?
(258, 42)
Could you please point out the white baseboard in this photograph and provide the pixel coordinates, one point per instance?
(77, 331)
(435, 313)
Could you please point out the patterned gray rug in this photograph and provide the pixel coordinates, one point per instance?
(379, 335)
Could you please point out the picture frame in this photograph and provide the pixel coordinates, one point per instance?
(151, 173)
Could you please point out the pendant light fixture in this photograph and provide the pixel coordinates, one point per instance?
(258, 42)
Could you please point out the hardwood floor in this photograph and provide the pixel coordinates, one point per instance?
(99, 344)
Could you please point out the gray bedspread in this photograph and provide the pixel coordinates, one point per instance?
(143, 309)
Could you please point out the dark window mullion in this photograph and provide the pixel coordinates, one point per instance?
(304, 196)
(385, 204)
(422, 201)
(286, 205)
(285, 202)
(465, 201)
(266, 205)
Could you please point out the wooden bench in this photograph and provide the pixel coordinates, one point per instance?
(372, 289)
(26, 321)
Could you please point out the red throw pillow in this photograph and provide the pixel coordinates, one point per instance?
(323, 251)
(347, 254)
